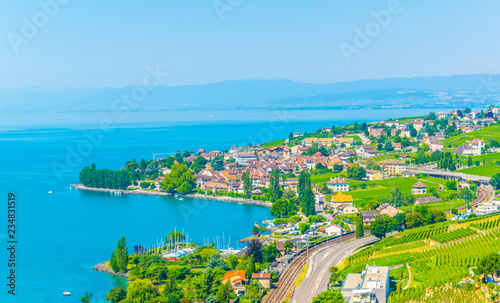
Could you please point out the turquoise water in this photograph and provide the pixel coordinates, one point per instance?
(62, 235)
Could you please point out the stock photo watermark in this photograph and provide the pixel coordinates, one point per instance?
(94, 138)
(363, 36)
(31, 26)
(487, 85)
(223, 7)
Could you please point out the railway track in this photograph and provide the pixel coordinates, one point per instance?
(290, 274)
(482, 197)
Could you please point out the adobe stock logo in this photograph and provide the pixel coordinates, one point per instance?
(372, 29)
(224, 6)
(31, 26)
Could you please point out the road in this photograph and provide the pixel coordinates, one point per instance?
(318, 275)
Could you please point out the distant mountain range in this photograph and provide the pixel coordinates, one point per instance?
(446, 91)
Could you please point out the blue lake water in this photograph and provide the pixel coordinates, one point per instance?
(63, 234)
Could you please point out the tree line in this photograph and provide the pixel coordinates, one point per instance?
(104, 178)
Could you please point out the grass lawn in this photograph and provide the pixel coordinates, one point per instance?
(492, 131)
(273, 143)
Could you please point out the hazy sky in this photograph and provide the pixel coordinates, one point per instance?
(109, 43)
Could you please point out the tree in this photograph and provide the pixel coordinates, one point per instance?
(274, 186)
(86, 298)
(255, 249)
(180, 179)
(290, 136)
(495, 181)
(223, 293)
(199, 164)
(217, 163)
(413, 132)
(270, 253)
(381, 226)
(469, 161)
(140, 291)
(304, 227)
(388, 146)
(489, 264)
(233, 260)
(306, 196)
(288, 245)
(397, 197)
(247, 183)
(356, 172)
(329, 296)
(115, 295)
(360, 229)
(175, 236)
(283, 208)
(413, 220)
(119, 257)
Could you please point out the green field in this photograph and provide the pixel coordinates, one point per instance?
(492, 131)
(382, 188)
(273, 143)
(487, 170)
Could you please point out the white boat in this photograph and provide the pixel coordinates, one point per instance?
(50, 191)
(67, 293)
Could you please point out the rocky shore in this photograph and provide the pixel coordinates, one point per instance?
(158, 193)
(105, 268)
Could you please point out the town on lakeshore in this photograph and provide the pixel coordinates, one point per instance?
(400, 210)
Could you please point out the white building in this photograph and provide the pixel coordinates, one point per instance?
(338, 184)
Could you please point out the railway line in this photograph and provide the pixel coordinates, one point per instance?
(290, 274)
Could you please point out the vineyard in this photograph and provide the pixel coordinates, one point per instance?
(431, 266)
(416, 235)
(486, 225)
(454, 235)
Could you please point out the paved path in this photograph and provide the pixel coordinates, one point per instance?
(318, 275)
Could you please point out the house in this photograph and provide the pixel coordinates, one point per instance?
(408, 174)
(347, 142)
(295, 135)
(370, 153)
(442, 115)
(369, 216)
(395, 167)
(426, 200)
(361, 149)
(387, 209)
(333, 230)
(346, 209)
(371, 286)
(477, 144)
(340, 199)
(338, 184)
(419, 188)
(461, 185)
(236, 279)
(263, 278)
(466, 150)
(243, 158)
(433, 143)
(377, 132)
(372, 174)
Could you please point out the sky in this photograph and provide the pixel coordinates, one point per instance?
(82, 44)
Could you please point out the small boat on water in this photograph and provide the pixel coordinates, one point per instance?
(67, 293)
(50, 191)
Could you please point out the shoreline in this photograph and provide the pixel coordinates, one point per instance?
(157, 193)
(105, 268)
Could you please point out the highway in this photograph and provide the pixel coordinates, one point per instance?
(319, 262)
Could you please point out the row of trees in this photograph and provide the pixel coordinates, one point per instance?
(104, 178)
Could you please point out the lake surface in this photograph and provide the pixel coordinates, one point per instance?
(63, 234)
